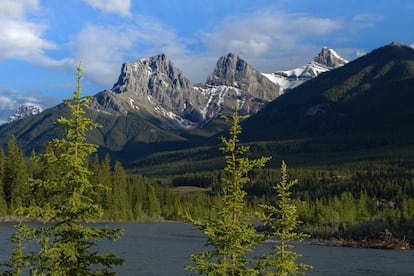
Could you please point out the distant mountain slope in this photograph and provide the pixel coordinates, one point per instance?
(154, 107)
(372, 93)
(35, 131)
(360, 113)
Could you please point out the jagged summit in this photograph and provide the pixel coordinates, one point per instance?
(156, 86)
(229, 70)
(325, 61)
(153, 85)
(149, 73)
(330, 58)
(233, 71)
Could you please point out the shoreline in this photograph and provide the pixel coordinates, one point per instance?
(386, 244)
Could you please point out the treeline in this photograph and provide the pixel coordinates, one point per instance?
(356, 201)
(124, 197)
(359, 200)
(390, 181)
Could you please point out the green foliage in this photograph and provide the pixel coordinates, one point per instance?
(16, 189)
(3, 203)
(229, 228)
(67, 244)
(19, 258)
(282, 219)
(119, 207)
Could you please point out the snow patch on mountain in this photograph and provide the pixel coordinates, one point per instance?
(25, 110)
(325, 61)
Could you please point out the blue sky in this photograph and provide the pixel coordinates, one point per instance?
(42, 41)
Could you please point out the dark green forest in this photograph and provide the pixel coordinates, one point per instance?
(359, 200)
(125, 197)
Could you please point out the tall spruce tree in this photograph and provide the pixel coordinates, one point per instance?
(67, 244)
(16, 189)
(229, 227)
(282, 219)
(120, 209)
(3, 204)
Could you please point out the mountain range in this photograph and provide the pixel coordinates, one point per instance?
(153, 107)
(372, 94)
(154, 86)
(153, 102)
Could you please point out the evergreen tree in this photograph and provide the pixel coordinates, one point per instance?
(138, 191)
(16, 189)
(104, 178)
(120, 208)
(3, 204)
(229, 228)
(67, 244)
(152, 205)
(282, 219)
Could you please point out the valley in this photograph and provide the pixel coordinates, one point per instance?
(346, 133)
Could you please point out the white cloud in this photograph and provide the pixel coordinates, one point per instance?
(103, 49)
(412, 45)
(22, 39)
(264, 37)
(17, 9)
(268, 40)
(122, 7)
(366, 20)
(7, 102)
(360, 53)
(19, 38)
(10, 100)
(196, 67)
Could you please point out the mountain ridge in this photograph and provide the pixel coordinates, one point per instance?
(326, 60)
(330, 104)
(367, 94)
(155, 85)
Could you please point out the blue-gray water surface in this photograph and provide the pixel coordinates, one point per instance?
(165, 248)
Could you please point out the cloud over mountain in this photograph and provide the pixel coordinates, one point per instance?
(122, 7)
(47, 39)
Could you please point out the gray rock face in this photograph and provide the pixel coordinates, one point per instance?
(156, 81)
(233, 71)
(330, 58)
(155, 86)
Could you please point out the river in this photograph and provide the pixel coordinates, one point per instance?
(164, 249)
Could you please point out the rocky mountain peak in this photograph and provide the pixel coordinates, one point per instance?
(233, 71)
(153, 85)
(230, 70)
(149, 73)
(330, 58)
(156, 86)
